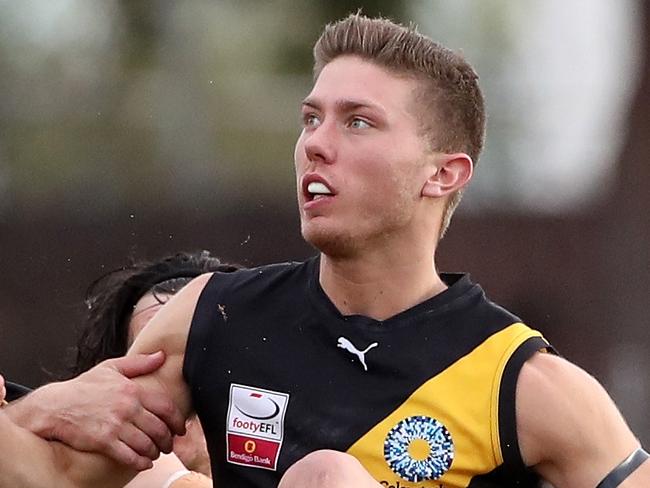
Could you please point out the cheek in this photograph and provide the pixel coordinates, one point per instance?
(139, 322)
(388, 184)
(299, 151)
(134, 329)
(375, 173)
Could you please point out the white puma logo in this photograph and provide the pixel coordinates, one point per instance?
(348, 346)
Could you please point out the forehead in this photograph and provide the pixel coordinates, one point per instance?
(146, 302)
(350, 77)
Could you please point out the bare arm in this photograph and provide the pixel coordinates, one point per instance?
(28, 461)
(104, 411)
(16, 443)
(168, 331)
(192, 449)
(569, 428)
(54, 464)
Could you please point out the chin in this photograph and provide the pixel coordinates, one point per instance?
(330, 242)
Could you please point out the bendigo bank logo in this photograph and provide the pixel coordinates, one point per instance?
(255, 426)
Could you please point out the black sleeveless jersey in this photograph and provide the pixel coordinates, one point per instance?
(423, 399)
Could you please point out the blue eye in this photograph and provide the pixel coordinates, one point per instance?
(310, 120)
(358, 123)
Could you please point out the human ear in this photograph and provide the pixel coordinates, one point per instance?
(449, 173)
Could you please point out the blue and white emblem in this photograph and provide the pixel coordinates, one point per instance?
(419, 448)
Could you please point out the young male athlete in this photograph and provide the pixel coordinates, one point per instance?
(365, 366)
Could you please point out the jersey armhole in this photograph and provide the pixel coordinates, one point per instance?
(507, 418)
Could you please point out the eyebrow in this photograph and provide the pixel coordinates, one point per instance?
(345, 105)
(148, 307)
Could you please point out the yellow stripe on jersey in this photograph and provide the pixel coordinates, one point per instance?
(464, 398)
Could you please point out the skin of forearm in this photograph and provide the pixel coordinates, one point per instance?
(29, 413)
(28, 461)
(89, 470)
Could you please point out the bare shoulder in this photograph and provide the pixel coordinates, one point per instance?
(169, 328)
(568, 427)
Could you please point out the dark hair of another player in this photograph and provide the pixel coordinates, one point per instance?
(110, 300)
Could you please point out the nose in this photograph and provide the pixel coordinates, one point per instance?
(320, 144)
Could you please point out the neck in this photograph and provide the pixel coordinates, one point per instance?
(379, 285)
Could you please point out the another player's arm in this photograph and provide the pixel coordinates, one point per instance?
(27, 460)
(569, 429)
(103, 410)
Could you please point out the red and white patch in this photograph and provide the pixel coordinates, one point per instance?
(255, 427)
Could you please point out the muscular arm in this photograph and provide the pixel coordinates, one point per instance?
(569, 429)
(104, 411)
(168, 331)
(29, 461)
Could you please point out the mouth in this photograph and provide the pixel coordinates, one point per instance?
(314, 188)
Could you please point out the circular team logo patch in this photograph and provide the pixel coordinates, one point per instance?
(419, 448)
